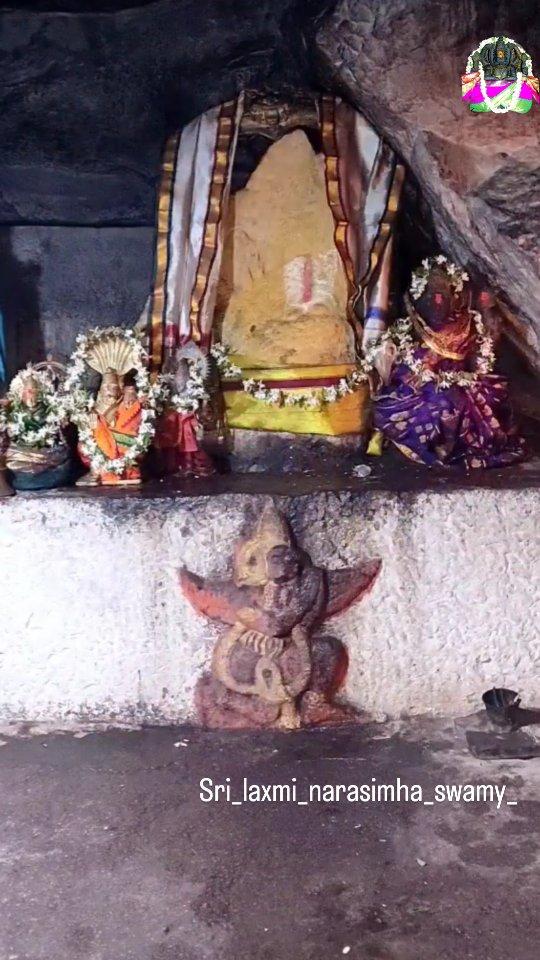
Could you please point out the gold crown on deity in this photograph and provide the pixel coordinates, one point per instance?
(272, 530)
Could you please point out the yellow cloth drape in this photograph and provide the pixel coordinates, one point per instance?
(345, 416)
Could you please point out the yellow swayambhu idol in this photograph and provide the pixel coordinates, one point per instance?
(289, 272)
(284, 299)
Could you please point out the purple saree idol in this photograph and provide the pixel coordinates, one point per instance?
(439, 407)
(469, 425)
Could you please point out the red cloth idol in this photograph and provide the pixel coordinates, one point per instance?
(176, 444)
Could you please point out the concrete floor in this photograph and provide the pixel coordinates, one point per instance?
(108, 853)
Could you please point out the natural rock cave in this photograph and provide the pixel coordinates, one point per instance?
(91, 89)
(281, 473)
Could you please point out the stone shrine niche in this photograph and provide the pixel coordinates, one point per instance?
(282, 295)
(284, 300)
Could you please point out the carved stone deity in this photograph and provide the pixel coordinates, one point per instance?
(270, 668)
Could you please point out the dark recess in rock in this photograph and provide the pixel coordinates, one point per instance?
(88, 97)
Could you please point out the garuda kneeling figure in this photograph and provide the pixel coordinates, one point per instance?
(268, 669)
(442, 403)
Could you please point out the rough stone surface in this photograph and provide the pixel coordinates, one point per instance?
(93, 622)
(109, 854)
(255, 451)
(56, 282)
(401, 64)
(88, 95)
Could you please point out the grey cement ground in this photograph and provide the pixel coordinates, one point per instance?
(107, 852)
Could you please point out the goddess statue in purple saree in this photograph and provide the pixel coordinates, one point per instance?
(439, 407)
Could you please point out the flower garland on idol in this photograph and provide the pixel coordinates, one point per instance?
(402, 335)
(193, 396)
(81, 403)
(458, 278)
(42, 425)
(273, 396)
(502, 108)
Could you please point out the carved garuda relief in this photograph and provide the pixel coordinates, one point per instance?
(272, 667)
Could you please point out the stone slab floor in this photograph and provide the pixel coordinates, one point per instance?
(108, 853)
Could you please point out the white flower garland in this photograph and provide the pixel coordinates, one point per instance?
(401, 333)
(39, 427)
(273, 396)
(194, 394)
(420, 276)
(81, 403)
(516, 94)
(501, 108)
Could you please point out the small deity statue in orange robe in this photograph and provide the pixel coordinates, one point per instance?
(115, 427)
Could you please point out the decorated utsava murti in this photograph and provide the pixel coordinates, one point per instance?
(499, 78)
(34, 418)
(442, 402)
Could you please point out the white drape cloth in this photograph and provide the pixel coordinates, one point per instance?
(190, 197)
(194, 192)
(364, 184)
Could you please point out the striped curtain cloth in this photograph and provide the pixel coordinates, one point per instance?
(193, 195)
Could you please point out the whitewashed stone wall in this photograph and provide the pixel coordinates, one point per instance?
(93, 625)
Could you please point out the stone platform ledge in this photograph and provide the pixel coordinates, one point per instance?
(93, 625)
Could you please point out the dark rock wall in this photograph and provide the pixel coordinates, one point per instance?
(87, 98)
(89, 90)
(58, 281)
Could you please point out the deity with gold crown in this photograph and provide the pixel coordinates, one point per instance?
(499, 78)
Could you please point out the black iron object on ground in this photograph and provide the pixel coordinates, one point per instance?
(508, 742)
(501, 705)
(504, 710)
